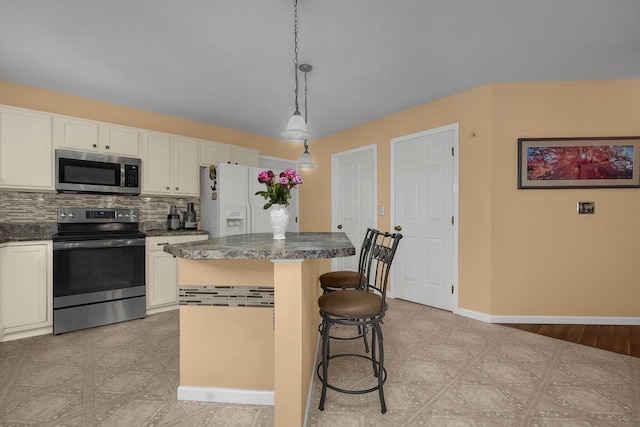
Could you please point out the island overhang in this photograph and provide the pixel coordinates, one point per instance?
(263, 246)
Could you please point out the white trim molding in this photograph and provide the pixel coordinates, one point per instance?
(564, 320)
(226, 395)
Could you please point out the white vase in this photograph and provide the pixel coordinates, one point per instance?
(279, 220)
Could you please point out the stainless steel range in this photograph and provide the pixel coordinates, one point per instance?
(98, 268)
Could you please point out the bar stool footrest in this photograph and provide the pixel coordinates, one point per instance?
(362, 391)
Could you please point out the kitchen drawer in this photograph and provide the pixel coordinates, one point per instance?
(158, 243)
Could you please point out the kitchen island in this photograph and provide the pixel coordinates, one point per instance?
(249, 318)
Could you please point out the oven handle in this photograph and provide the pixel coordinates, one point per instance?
(98, 244)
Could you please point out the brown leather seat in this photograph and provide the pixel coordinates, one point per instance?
(342, 279)
(351, 303)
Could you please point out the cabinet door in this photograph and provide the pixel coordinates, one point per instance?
(24, 280)
(26, 152)
(213, 152)
(119, 140)
(162, 279)
(246, 156)
(186, 176)
(156, 163)
(75, 134)
(162, 273)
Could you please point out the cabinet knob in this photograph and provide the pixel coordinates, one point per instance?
(94, 145)
(177, 188)
(106, 147)
(339, 226)
(167, 188)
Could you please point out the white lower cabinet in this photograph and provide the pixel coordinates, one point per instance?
(26, 288)
(162, 272)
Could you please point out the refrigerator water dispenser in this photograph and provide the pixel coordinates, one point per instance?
(235, 221)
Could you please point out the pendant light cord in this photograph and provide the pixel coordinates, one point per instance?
(295, 43)
(306, 110)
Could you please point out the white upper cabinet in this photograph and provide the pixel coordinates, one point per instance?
(246, 156)
(87, 135)
(186, 168)
(169, 164)
(212, 152)
(156, 163)
(121, 140)
(26, 153)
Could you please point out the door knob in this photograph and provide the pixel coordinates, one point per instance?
(339, 226)
(397, 228)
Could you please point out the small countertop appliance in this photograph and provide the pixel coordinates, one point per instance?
(173, 219)
(189, 218)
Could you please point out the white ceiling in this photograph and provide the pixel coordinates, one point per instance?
(230, 63)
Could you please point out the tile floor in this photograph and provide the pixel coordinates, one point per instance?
(444, 370)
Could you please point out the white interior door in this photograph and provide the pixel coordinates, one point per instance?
(353, 198)
(424, 208)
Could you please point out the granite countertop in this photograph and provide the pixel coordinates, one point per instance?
(263, 246)
(25, 232)
(4, 238)
(164, 232)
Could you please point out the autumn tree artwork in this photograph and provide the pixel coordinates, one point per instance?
(594, 162)
(580, 162)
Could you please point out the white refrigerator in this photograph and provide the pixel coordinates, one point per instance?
(228, 204)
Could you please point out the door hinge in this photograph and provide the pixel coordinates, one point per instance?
(452, 152)
(451, 289)
(452, 221)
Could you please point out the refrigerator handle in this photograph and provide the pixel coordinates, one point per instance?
(249, 217)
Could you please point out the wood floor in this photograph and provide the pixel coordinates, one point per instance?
(617, 338)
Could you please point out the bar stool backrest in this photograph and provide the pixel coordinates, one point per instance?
(381, 256)
(365, 255)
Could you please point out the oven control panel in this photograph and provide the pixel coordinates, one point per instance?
(80, 215)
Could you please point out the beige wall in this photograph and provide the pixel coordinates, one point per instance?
(521, 252)
(59, 103)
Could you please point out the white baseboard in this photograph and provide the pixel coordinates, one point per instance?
(567, 320)
(8, 335)
(226, 395)
(162, 309)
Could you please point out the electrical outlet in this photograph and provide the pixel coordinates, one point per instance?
(586, 208)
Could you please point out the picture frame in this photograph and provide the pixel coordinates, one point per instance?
(594, 162)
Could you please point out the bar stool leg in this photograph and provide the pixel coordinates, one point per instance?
(325, 361)
(377, 331)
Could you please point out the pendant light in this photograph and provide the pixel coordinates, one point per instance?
(306, 161)
(296, 130)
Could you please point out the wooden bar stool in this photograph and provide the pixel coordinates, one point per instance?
(364, 308)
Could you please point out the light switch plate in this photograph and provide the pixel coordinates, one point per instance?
(586, 208)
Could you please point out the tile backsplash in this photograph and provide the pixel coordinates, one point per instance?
(22, 207)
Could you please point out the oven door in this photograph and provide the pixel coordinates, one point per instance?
(91, 271)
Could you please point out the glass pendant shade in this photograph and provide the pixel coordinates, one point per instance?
(296, 130)
(306, 161)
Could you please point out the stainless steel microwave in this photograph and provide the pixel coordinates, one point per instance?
(79, 172)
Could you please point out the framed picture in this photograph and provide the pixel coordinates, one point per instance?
(602, 162)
